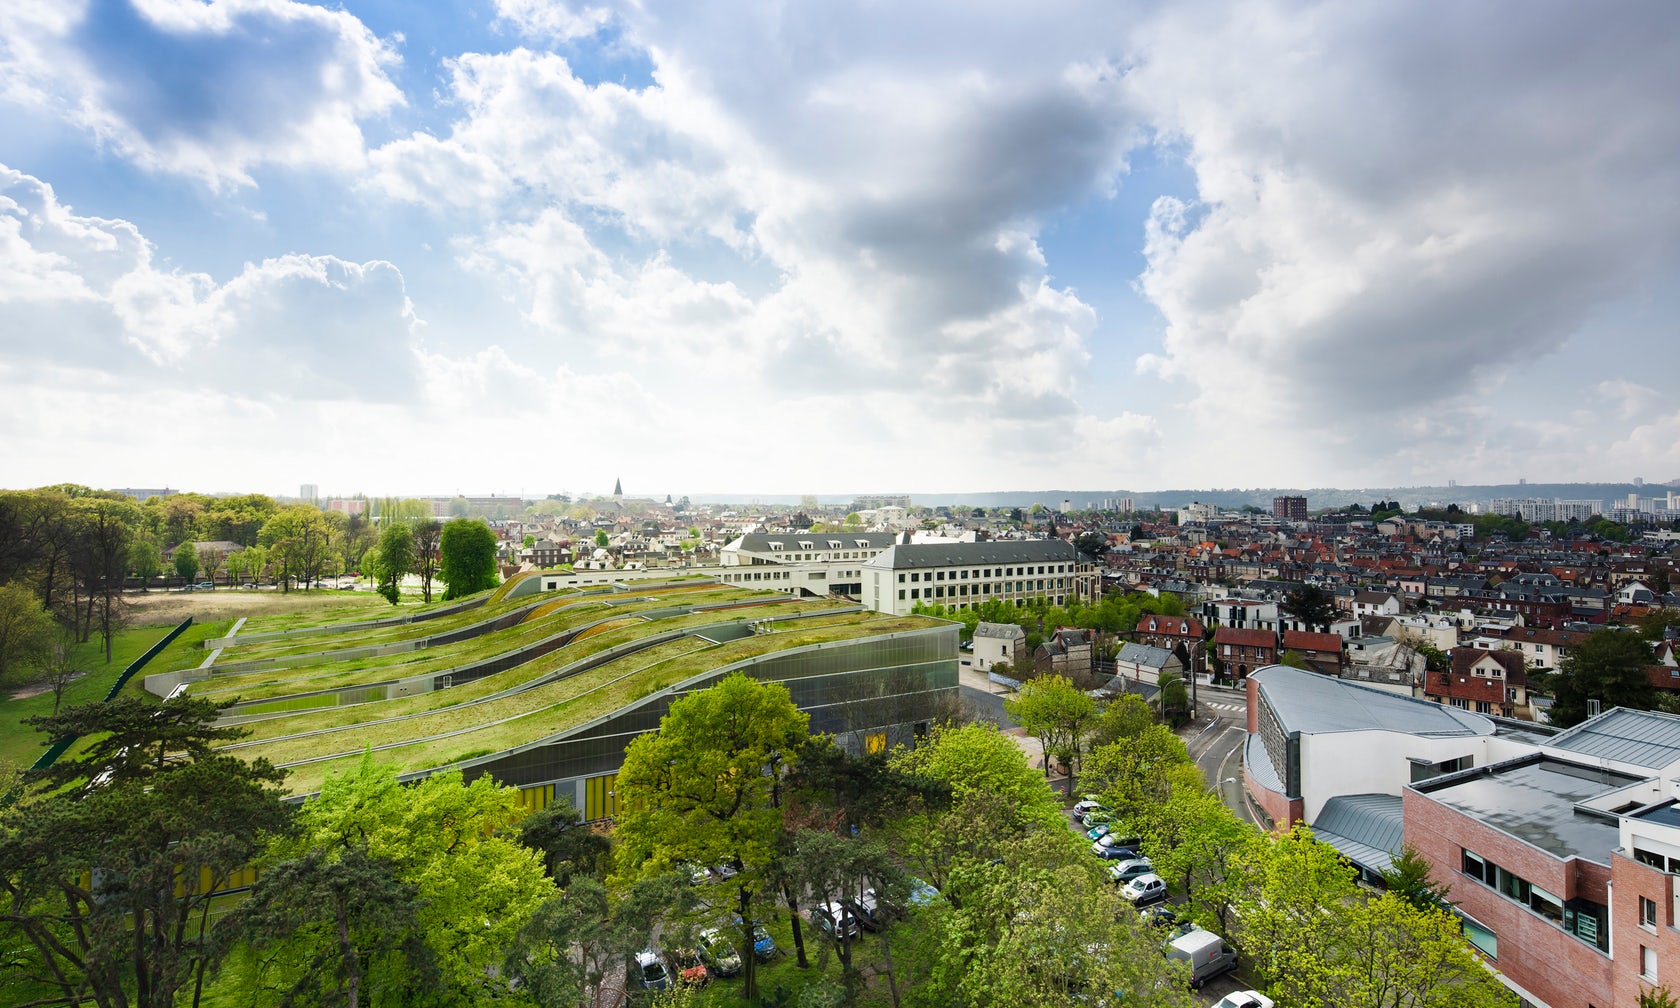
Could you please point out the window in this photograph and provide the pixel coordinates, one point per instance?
(1647, 913)
(1647, 963)
(1482, 938)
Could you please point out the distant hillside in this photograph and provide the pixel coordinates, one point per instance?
(1261, 497)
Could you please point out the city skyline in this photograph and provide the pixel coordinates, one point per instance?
(259, 243)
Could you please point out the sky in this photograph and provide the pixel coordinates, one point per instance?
(512, 246)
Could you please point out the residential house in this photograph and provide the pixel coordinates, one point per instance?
(1145, 663)
(1242, 651)
(1487, 682)
(999, 642)
(1370, 603)
(1067, 652)
(1323, 652)
(1170, 631)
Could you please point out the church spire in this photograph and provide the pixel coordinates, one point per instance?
(618, 488)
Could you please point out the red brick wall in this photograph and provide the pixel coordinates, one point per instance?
(1538, 955)
(1634, 880)
(1283, 812)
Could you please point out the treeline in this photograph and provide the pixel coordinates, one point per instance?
(1113, 614)
(68, 552)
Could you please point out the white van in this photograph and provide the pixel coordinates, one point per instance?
(1207, 954)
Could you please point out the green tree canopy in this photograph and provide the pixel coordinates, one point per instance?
(109, 883)
(392, 559)
(1607, 667)
(468, 558)
(26, 633)
(454, 844)
(705, 789)
(1312, 605)
(1057, 713)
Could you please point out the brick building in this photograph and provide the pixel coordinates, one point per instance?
(1561, 850)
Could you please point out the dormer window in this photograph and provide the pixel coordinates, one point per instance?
(806, 544)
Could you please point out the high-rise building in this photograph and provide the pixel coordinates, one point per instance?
(1289, 508)
(309, 492)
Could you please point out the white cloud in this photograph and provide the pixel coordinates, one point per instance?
(1397, 213)
(212, 89)
(86, 292)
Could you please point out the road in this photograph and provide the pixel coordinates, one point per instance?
(1216, 742)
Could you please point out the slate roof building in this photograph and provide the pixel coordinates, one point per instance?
(962, 575)
(1561, 850)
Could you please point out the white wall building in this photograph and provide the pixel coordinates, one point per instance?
(963, 575)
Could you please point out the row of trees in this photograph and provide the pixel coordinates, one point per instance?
(1309, 933)
(1111, 615)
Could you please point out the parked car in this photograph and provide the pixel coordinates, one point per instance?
(1086, 804)
(764, 946)
(1125, 871)
(1099, 831)
(719, 953)
(690, 967)
(1144, 890)
(724, 870)
(1244, 999)
(1162, 916)
(1113, 851)
(649, 973)
(868, 909)
(205, 585)
(1096, 817)
(833, 919)
(921, 894)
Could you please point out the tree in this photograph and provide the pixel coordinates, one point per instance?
(145, 557)
(1659, 997)
(601, 539)
(468, 558)
(356, 899)
(704, 789)
(979, 758)
(1311, 605)
(1135, 772)
(1125, 716)
(110, 883)
(1056, 713)
(1388, 953)
(1292, 896)
(1607, 667)
(26, 633)
(426, 536)
(297, 539)
(392, 559)
(1175, 700)
(454, 843)
(573, 949)
(1408, 878)
(1069, 939)
(99, 559)
(568, 845)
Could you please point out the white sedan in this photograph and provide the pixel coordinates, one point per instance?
(1244, 999)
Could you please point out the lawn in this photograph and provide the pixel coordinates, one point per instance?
(20, 745)
(496, 725)
(312, 677)
(457, 696)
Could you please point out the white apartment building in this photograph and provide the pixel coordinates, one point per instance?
(963, 575)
